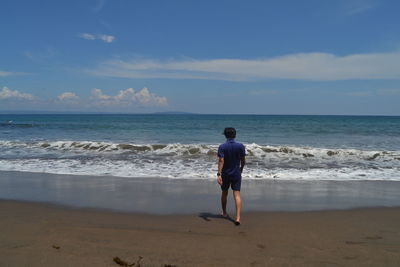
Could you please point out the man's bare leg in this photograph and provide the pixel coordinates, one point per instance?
(224, 197)
(238, 202)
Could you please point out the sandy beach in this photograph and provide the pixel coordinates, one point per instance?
(47, 235)
(67, 220)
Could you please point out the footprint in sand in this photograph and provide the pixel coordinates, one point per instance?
(260, 246)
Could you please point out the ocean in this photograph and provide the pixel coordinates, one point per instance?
(279, 147)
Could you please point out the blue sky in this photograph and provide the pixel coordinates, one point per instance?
(264, 57)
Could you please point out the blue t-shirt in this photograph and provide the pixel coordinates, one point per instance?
(232, 152)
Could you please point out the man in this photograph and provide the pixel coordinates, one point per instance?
(231, 160)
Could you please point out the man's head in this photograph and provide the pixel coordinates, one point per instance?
(230, 133)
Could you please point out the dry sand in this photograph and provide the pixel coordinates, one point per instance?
(35, 234)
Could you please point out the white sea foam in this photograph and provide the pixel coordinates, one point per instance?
(189, 170)
(196, 161)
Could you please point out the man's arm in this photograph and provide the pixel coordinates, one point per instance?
(220, 166)
(242, 163)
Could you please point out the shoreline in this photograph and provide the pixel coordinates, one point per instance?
(50, 235)
(185, 196)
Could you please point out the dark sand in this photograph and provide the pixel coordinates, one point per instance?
(47, 235)
(89, 220)
(184, 196)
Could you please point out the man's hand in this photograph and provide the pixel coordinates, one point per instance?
(220, 167)
(219, 179)
(242, 163)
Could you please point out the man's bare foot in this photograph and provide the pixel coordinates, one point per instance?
(237, 221)
(225, 215)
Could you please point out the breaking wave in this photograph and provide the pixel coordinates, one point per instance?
(196, 160)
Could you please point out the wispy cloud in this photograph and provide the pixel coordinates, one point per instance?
(353, 7)
(41, 55)
(386, 92)
(128, 97)
(303, 66)
(99, 5)
(359, 93)
(103, 37)
(266, 92)
(389, 92)
(6, 93)
(9, 73)
(87, 36)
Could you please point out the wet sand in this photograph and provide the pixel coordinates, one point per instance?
(35, 234)
(185, 196)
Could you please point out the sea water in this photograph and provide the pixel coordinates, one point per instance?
(184, 146)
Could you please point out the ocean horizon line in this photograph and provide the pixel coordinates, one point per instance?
(43, 112)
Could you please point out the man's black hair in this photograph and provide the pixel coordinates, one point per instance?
(230, 133)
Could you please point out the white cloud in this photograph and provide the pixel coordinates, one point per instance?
(106, 38)
(126, 100)
(302, 66)
(68, 96)
(6, 93)
(128, 97)
(103, 37)
(87, 36)
(7, 73)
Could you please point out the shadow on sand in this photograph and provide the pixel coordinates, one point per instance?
(208, 216)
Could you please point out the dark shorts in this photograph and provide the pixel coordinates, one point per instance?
(234, 183)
